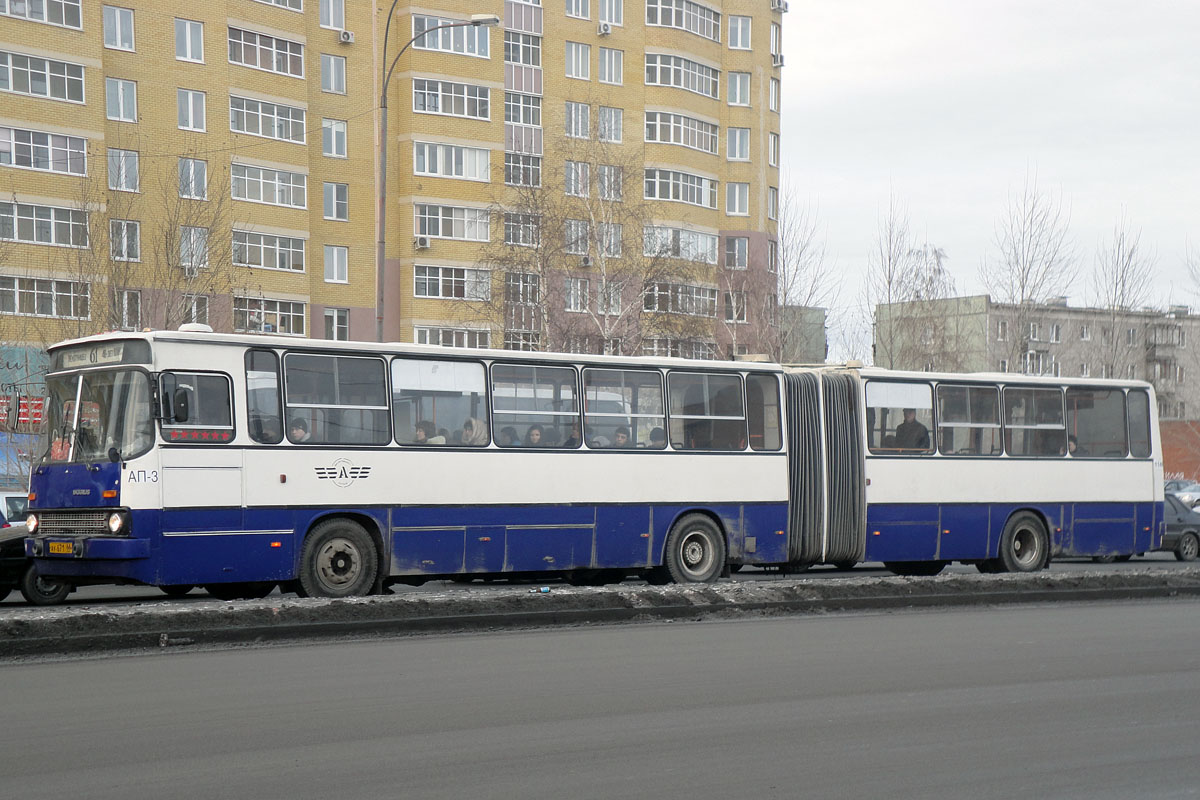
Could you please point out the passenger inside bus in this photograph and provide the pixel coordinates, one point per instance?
(426, 433)
(298, 431)
(508, 437)
(533, 436)
(658, 438)
(621, 437)
(474, 433)
(573, 439)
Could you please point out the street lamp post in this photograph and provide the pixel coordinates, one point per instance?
(477, 20)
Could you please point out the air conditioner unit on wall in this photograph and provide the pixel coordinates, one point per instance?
(604, 28)
(346, 37)
(586, 261)
(777, 59)
(779, 5)
(421, 242)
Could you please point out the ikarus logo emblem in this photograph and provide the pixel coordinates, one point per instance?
(343, 472)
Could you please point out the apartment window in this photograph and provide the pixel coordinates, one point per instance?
(735, 306)
(689, 245)
(65, 13)
(522, 340)
(522, 109)
(451, 99)
(269, 120)
(685, 15)
(737, 199)
(333, 138)
(129, 305)
(609, 236)
(577, 236)
(578, 9)
(263, 315)
(1056, 332)
(1035, 332)
(337, 324)
(268, 251)
(739, 33)
(41, 77)
(193, 248)
(609, 303)
(37, 297)
(612, 11)
(47, 152)
(522, 170)
(121, 98)
(291, 5)
(452, 161)
(773, 149)
(466, 40)
(609, 182)
(123, 172)
(195, 308)
(1085, 371)
(578, 120)
(452, 222)
(522, 48)
(271, 186)
(190, 105)
(452, 283)
(680, 298)
(579, 61)
(452, 337)
(678, 129)
(774, 94)
(1003, 365)
(118, 27)
(333, 14)
(333, 74)
(738, 146)
(337, 264)
(193, 178)
(612, 66)
(189, 40)
(522, 230)
(575, 294)
(682, 73)
(1131, 338)
(772, 256)
(1002, 330)
(269, 53)
(681, 187)
(737, 252)
(776, 39)
(124, 239)
(739, 88)
(772, 202)
(25, 222)
(337, 201)
(1085, 333)
(1131, 372)
(577, 178)
(610, 124)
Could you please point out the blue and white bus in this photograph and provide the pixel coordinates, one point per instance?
(335, 468)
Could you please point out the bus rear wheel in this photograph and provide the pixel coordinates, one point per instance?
(695, 550)
(39, 591)
(1023, 546)
(339, 560)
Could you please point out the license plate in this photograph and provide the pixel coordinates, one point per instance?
(62, 548)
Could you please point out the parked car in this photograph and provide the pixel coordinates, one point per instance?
(18, 572)
(16, 505)
(1187, 491)
(1183, 529)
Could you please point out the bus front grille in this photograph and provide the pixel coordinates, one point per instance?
(59, 523)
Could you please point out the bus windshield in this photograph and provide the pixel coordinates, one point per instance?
(92, 414)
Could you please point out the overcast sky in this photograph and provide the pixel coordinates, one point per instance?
(948, 103)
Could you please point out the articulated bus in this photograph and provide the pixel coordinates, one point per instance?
(241, 463)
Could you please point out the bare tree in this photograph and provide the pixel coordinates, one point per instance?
(1034, 261)
(1122, 279)
(889, 269)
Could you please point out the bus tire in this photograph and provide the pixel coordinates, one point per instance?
(339, 560)
(177, 589)
(695, 550)
(1188, 547)
(915, 569)
(39, 591)
(248, 590)
(1023, 546)
(989, 566)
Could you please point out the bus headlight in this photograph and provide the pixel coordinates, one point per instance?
(116, 521)
(31, 522)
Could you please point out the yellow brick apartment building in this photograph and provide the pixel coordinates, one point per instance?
(165, 162)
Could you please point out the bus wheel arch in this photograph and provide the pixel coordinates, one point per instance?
(1025, 542)
(696, 548)
(341, 557)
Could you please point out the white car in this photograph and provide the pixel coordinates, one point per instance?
(1187, 491)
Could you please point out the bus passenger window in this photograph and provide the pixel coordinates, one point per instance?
(706, 411)
(431, 396)
(622, 408)
(968, 420)
(762, 412)
(540, 404)
(1139, 423)
(262, 397)
(1033, 422)
(197, 400)
(342, 399)
(1096, 423)
(899, 418)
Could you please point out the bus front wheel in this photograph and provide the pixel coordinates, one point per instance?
(39, 591)
(1023, 546)
(695, 550)
(339, 560)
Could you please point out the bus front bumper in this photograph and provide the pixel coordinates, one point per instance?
(86, 547)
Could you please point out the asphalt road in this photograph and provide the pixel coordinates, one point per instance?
(89, 595)
(1087, 701)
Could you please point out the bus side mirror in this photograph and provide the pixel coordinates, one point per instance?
(180, 403)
